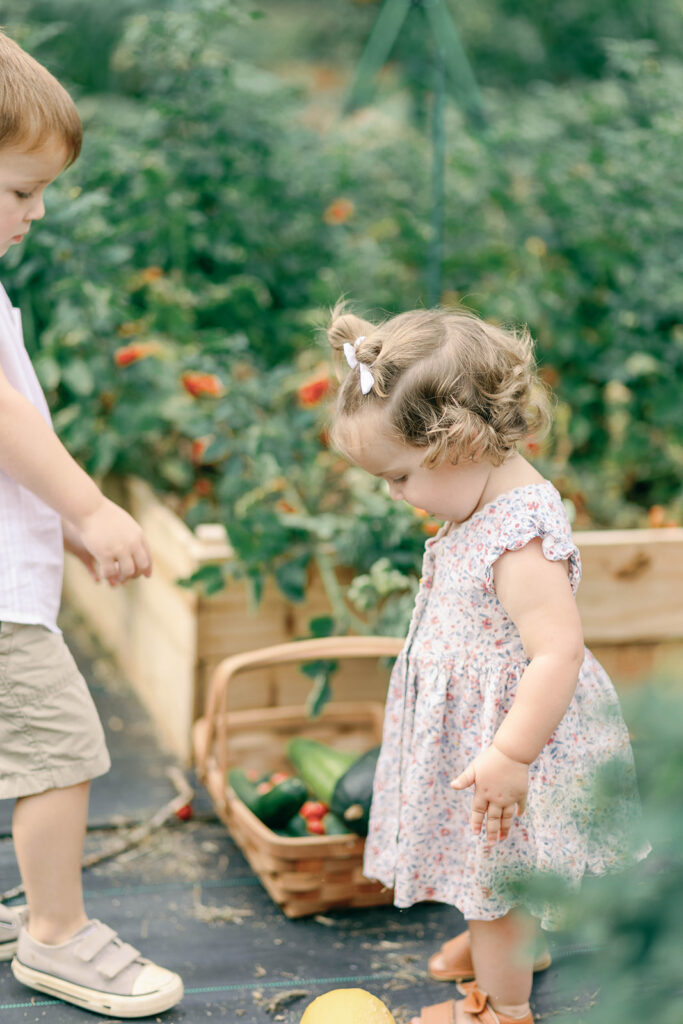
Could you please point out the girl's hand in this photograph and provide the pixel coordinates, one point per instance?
(500, 788)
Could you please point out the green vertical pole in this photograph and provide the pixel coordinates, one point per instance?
(435, 259)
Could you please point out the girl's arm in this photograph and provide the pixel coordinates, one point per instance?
(537, 596)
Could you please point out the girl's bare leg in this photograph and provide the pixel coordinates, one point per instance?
(502, 953)
(49, 831)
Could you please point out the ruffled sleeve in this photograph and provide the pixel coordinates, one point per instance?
(515, 519)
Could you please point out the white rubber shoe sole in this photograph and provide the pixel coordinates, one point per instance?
(8, 949)
(163, 997)
(9, 929)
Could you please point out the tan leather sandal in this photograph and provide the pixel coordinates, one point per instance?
(459, 967)
(477, 1005)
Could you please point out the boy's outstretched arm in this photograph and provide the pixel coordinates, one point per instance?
(32, 454)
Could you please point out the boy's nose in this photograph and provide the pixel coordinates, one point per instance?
(37, 211)
(394, 492)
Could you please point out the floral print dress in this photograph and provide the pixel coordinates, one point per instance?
(451, 686)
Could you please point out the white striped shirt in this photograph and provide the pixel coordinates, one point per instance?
(31, 543)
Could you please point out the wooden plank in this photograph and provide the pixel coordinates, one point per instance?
(632, 586)
(168, 639)
(630, 665)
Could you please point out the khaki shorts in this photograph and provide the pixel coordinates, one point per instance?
(50, 732)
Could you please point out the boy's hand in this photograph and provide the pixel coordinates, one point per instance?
(500, 787)
(75, 546)
(117, 543)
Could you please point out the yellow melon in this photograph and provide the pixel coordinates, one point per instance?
(347, 1006)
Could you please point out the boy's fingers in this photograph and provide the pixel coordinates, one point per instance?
(143, 559)
(127, 568)
(109, 569)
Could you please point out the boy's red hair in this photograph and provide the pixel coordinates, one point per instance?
(34, 107)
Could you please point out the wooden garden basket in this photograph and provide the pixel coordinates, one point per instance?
(305, 875)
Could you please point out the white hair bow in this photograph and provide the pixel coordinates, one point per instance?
(366, 378)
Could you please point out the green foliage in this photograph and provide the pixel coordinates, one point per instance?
(578, 235)
(630, 922)
(171, 296)
(564, 214)
(511, 43)
(194, 163)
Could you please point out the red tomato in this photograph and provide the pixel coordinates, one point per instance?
(185, 812)
(264, 787)
(315, 825)
(313, 809)
(277, 777)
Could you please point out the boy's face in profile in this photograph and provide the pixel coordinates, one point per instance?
(24, 176)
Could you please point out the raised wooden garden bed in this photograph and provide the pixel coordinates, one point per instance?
(167, 639)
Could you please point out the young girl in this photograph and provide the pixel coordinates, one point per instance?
(498, 720)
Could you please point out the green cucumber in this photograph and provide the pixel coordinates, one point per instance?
(319, 766)
(334, 826)
(297, 827)
(274, 808)
(352, 794)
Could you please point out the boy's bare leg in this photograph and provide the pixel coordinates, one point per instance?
(49, 831)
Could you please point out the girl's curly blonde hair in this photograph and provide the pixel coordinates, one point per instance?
(448, 382)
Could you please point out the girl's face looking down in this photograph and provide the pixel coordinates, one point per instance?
(449, 492)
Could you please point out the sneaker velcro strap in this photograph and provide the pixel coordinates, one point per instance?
(116, 959)
(94, 941)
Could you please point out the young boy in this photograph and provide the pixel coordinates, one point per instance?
(51, 740)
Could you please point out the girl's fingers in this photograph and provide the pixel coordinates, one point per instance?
(479, 809)
(465, 778)
(506, 820)
(493, 820)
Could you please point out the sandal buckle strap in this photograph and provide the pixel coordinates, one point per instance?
(475, 1001)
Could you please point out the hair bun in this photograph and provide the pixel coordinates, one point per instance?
(346, 327)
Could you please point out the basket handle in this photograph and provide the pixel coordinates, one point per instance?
(281, 654)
